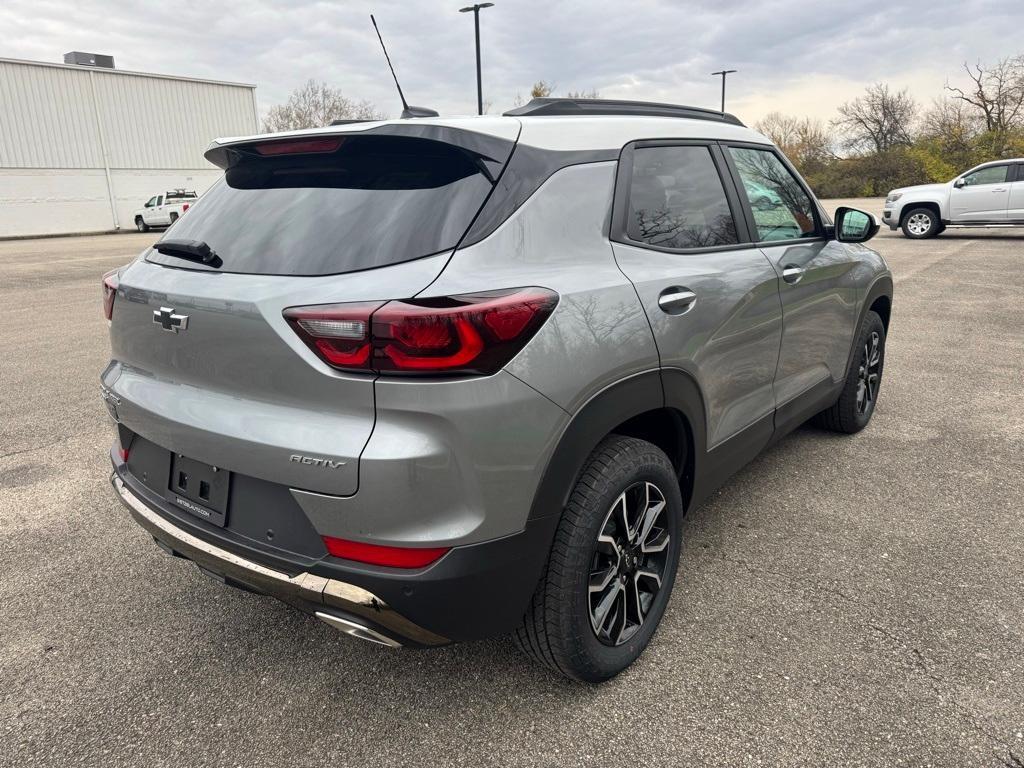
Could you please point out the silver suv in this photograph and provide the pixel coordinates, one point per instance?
(437, 379)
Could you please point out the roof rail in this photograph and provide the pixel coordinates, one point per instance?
(578, 107)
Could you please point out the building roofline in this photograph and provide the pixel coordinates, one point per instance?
(106, 70)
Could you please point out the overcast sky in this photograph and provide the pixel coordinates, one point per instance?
(799, 57)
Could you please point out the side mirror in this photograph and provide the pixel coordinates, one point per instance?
(959, 183)
(854, 226)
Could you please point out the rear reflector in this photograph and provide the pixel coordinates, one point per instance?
(465, 334)
(110, 284)
(374, 554)
(300, 147)
(338, 333)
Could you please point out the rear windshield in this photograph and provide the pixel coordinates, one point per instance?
(376, 200)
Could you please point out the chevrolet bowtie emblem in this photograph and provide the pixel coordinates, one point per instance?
(166, 319)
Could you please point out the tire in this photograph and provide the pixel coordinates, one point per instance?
(921, 223)
(141, 225)
(856, 404)
(558, 629)
(174, 218)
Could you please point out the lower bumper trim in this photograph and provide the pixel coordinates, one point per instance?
(302, 590)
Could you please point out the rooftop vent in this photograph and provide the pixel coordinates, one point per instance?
(89, 59)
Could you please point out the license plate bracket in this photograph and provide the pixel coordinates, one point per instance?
(199, 489)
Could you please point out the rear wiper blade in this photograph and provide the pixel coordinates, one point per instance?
(193, 250)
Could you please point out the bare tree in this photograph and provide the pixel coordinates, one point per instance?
(953, 127)
(314, 105)
(877, 121)
(541, 89)
(997, 92)
(804, 140)
(593, 93)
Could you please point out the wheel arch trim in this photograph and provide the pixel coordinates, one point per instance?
(617, 403)
(881, 287)
(933, 205)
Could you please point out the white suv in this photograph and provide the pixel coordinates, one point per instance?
(989, 194)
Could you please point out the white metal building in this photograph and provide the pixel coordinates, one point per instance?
(83, 147)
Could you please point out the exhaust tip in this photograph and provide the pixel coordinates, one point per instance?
(357, 630)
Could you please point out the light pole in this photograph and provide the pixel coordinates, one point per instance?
(723, 73)
(476, 22)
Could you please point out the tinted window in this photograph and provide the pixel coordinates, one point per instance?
(782, 210)
(376, 200)
(676, 199)
(994, 174)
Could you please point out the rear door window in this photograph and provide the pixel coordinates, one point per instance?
(374, 201)
(677, 201)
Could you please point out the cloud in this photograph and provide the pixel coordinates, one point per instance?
(795, 56)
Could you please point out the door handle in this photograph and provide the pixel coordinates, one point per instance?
(1000, 189)
(677, 300)
(793, 274)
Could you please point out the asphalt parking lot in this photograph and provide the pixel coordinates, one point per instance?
(842, 601)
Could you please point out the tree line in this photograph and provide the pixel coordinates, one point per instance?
(885, 139)
(880, 140)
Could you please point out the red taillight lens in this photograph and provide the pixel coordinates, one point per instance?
(184, 207)
(299, 147)
(110, 284)
(338, 333)
(375, 554)
(467, 334)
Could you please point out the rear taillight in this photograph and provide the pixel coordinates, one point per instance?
(375, 554)
(467, 334)
(110, 284)
(184, 207)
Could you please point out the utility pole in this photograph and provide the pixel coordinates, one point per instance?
(476, 23)
(723, 73)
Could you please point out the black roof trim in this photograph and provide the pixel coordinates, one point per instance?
(552, 106)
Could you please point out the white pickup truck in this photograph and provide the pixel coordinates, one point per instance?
(164, 209)
(988, 195)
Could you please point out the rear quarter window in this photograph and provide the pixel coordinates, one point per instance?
(375, 201)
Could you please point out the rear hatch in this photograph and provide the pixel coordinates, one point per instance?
(204, 363)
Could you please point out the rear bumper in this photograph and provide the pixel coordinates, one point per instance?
(473, 591)
(327, 598)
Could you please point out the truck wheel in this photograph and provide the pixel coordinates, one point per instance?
(612, 564)
(141, 225)
(174, 218)
(920, 223)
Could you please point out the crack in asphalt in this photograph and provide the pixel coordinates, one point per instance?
(36, 448)
(941, 689)
(921, 662)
